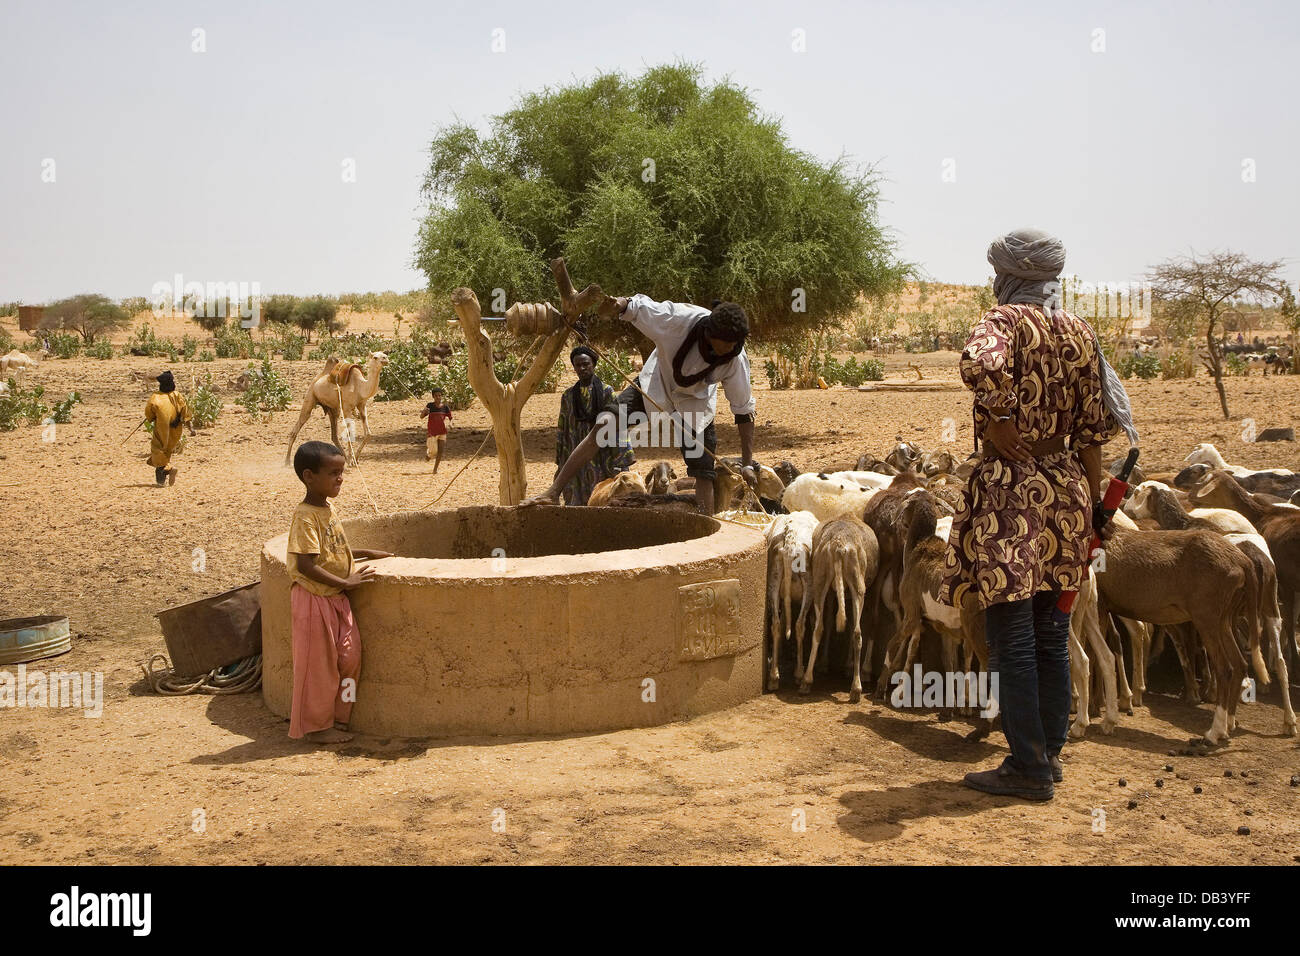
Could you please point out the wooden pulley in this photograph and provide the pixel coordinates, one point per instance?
(533, 318)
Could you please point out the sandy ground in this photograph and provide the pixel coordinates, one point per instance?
(90, 537)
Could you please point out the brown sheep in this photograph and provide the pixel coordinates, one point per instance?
(1280, 527)
(1175, 577)
(622, 484)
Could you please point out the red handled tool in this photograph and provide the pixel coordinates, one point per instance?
(1115, 492)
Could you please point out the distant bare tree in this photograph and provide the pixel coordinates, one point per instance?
(1202, 288)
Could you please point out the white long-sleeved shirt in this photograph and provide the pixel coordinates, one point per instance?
(667, 324)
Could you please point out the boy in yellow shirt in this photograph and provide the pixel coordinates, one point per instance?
(326, 642)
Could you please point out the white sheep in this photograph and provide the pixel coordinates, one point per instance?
(1206, 454)
(1222, 520)
(826, 497)
(789, 556)
(864, 479)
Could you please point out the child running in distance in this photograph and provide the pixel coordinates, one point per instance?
(326, 642)
(438, 415)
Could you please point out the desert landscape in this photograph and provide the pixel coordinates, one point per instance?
(780, 778)
(909, 293)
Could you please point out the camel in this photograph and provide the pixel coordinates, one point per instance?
(15, 362)
(351, 397)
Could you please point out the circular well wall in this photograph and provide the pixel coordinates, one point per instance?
(660, 616)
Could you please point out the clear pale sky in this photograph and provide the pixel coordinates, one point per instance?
(226, 165)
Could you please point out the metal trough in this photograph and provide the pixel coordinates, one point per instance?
(25, 639)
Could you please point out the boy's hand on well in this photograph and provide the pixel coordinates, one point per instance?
(360, 576)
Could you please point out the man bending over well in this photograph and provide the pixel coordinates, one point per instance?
(695, 350)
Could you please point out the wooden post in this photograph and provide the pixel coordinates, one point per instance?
(504, 401)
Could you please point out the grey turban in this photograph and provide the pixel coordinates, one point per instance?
(1027, 264)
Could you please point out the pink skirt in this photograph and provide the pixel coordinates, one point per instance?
(326, 661)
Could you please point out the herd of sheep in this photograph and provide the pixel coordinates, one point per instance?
(1206, 560)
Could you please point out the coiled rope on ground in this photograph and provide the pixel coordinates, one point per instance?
(237, 678)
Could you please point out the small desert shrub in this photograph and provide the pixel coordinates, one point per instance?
(21, 405)
(851, 372)
(611, 359)
(1236, 365)
(406, 375)
(144, 342)
(205, 403)
(290, 344)
(551, 382)
(100, 349)
(64, 345)
(778, 377)
(453, 379)
(207, 356)
(189, 348)
(6, 341)
(352, 349)
(795, 364)
(267, 391)
(234, 342)
(848, 372)
(1178, 365)
(62, 413)
(1142, 366)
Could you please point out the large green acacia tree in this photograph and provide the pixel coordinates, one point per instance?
(658, 184)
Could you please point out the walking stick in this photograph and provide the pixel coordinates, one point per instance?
(1115, 492)
(134, 430)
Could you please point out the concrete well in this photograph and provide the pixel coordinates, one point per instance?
(536, 639)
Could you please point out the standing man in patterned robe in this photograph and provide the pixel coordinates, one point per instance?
(579, 407)
(1022, 534)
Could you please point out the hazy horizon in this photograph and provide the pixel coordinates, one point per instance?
(225, 165)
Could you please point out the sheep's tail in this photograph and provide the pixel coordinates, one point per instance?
(1257, 662)
(841, 616)
(1255, 626)
(786, 572)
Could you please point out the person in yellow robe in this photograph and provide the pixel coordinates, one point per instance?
(169, 412)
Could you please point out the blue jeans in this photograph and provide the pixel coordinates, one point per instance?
(1029, 651)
